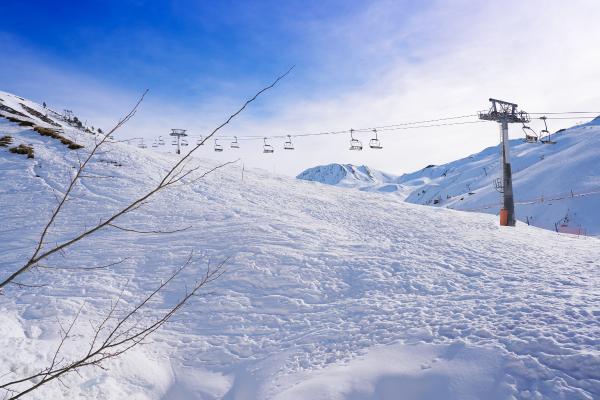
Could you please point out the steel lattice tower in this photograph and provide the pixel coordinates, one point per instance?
(504, 113)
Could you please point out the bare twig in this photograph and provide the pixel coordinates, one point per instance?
(172, 176)
(118, 339)
(84, 268)
(36, 254)
(149, 232)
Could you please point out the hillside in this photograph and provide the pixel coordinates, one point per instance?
(328, 293)
(29, 113)
(557, 186)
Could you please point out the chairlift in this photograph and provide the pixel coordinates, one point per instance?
(499, 185)
(375, 143)
(184, 142)
(355, 144)
(288, 145)
(235, 144)
(161, 141)
(174, 142)
(218, 147)
(200, 141)
(545, 132)
(267, 148)
(142, 145)
(155, 144)
(530, 135)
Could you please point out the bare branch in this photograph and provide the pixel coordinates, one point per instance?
(84, 268)
(118, 339)
(149, 232)
(35, 258)
(38, 255)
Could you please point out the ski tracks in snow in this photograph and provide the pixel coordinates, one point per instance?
(319, 277)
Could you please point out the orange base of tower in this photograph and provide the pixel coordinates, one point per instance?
(503, 217)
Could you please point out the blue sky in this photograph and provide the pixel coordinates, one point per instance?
(358, 63)
(192, 49)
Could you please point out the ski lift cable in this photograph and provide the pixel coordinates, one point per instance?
(405, 126)
(362, 130)
(579, 117)
(564, 112)
(369, 129)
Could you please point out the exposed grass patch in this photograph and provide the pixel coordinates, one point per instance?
(11, 110)
(5, 140)
(38, 114)
(19, 121)
(22, 149)
(55, 135)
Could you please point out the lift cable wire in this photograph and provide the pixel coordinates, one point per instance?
(382, 128)
(564, 112)
(402, 126)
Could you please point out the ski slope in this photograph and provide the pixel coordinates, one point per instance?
(556, 186)
(328, 293)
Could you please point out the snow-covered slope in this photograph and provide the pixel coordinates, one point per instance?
(29, 113)
(557, 186)
(353, 176)
(329, 293)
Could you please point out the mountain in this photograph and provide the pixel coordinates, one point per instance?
(353, 176)
(322, 298)
(556, 186)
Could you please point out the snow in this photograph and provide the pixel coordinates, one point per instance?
(419, 371)
(352, 176)
(15, 106)
(328, 292)
(556, 186)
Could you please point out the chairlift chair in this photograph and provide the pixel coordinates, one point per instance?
(174, 142)
(530, 135)
(355, 144)
(218, 147)
(235, 144)
(155, 144)
(545, 132)
(184, 142)
(199, 141)
(142, 145)
(375, 143)
(288, 145)
(499, 185)
(267, 148)
(161, 141)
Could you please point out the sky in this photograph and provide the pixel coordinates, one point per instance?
(357, 64)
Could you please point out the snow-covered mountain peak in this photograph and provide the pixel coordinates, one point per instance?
(353, 176)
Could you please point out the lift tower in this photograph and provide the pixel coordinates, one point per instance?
(504, 113)
(179, 133)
